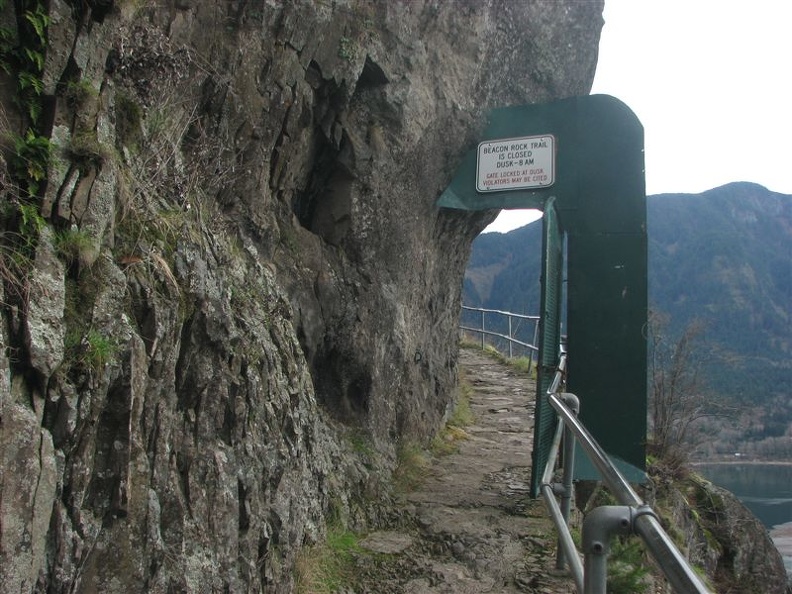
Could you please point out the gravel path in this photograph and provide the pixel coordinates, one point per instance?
(472, 527)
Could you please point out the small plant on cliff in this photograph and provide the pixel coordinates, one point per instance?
(78, 93)
(627, 567)
(100, 349)
(74, 245)
(22, 55)
(14, 267)
(31, 223)
(347, 49)
(30, 160)
(90, 351)
(129, 122)
(21, 224)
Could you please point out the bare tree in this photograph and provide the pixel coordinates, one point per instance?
(678, 398)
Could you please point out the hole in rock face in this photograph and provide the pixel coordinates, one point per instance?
(324, 207)
(343, 386)
(244, 507)
(99, 9)
(332, 212)
(372, 75)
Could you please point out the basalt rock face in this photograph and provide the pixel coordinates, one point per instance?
(242, 300)
(721, 536)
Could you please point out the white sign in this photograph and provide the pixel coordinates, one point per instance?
(515, 163)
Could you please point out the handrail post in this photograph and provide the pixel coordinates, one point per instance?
(573, 403)
(599, 526)
(510, 336)
(534, 341)
(482, 329)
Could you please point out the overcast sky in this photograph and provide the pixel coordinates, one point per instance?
(710, 81)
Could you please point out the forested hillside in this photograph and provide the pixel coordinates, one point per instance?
(722, 258)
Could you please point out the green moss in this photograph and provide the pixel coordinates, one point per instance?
(463, 414)
(86, 150)
(347, 49)
(289, 239)
(78, 93)
(446, 442)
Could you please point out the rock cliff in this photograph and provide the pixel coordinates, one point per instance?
(228, 298)
(718, 533)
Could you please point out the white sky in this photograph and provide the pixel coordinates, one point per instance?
(711, 81)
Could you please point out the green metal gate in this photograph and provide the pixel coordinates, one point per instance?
(591, 150)
(549, 341)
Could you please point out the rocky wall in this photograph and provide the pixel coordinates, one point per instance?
(241, 275)
(721, 536)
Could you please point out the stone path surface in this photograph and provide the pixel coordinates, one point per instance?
(472, 527)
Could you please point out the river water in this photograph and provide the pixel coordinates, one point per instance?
(765, 489)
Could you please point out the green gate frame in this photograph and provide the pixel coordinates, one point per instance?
(549, 341)
(599, 196)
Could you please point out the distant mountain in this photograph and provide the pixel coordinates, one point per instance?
(503, 270)
(723, 257)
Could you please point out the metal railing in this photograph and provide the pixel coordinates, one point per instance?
(511, 336)
(632, 516)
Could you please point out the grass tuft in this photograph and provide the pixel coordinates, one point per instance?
(75, 245)
(412, 468)
(328, 567)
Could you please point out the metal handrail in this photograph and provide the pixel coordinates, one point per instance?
(636, 516)
(498, 311)
(567, 550)
(510, 338)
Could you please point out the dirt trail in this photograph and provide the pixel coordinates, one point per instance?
(472, 525)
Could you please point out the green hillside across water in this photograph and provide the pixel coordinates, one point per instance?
(723, 257)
